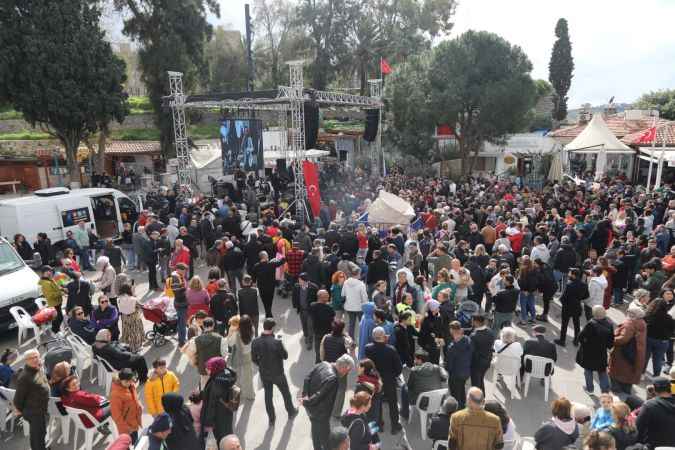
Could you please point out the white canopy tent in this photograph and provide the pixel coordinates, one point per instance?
(390, 209)
(598, 139)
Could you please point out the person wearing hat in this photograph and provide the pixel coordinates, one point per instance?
(125, 407)
(304, 295)
(657, 416)
(539, 346)
(159, 431)
(53, 293)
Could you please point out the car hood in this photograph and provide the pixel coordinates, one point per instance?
(18, 285)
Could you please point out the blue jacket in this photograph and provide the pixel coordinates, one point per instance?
(458, 358)
(366, 328)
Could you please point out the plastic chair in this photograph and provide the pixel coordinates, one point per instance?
(55, 415)
(440, 445)
(527, 443)
(538, 371)
(435, 400)
(143, 443)
(105, 374)
(509, 368)
(664, 448)
(84, 356)
(25, 322)
(7, 409)
(41, 303)
(75, 416)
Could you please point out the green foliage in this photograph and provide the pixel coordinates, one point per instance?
(25, 135)
(408, 91)
(481, 83)
(58, 71)
(172, 35)
(7, 112)
(663, 100)
(139, 104)
(204, 131)
(135, 134)
(543, 87)
(227, 62)
(560, 69)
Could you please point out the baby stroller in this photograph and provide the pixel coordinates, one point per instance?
(162, 325)
(465, 313)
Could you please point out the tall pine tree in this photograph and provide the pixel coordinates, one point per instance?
(560, 69)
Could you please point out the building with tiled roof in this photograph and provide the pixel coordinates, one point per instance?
(132, 147)
(665, 133)
(621, 124)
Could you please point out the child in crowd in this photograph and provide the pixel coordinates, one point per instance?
(603, 416)
(195, 407)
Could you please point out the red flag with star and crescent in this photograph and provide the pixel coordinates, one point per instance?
(385, 68)
(647, 137)
(312, 185)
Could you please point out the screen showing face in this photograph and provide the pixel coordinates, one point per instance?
(242, 145)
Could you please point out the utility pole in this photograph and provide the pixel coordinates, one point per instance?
(249, 48)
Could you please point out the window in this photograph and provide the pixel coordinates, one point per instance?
(72, 216)
(127, 210)
(9, 259)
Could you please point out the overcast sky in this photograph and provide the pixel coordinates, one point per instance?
(621, 48)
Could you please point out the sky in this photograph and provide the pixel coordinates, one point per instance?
(621, 48)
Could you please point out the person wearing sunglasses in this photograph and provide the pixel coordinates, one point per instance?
(80, 324)
(106, 316)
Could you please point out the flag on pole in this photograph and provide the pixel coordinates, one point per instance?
(648, 136)
(312, 185)
(385, 68)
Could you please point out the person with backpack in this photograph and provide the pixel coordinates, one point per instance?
(220, 398)
(361, 435)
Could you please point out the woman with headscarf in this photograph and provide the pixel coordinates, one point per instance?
(627, 358)
(215, 416)
(366, 328)
(432, 331)
(106, 281)
(183, 435)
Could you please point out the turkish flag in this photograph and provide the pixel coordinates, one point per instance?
(647, 137)
(385, 68)
(312, 184)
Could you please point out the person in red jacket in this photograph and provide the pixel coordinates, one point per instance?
(181, 254)
(96, 405)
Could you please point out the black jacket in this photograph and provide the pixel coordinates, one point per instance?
(660, 325)
(320, 387)
(505, 301)
(269, 353)
(378, 270)
(315, 270)
(655, 422)
(79, 294)
(223, 306)
(312, 289)
(233, 259)
(360, 436)
(565, 258)
(432, 327)
(248, 301)
(214, 414)
(32, 392)
(573, 294)
(322, 318)
(482, 342)
(438, 427)
(595, 340)
(386, 359)
(539, 346)
(251, 251)
(263, 274)
(183, 433)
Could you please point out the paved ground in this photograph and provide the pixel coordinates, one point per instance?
(251, 420)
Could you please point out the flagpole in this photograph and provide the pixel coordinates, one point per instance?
(659, 170)
(379, 123)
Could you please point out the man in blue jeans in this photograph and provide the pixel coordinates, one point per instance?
(178, 286)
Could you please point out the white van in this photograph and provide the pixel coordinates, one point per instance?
(56, 210)
(19, 284)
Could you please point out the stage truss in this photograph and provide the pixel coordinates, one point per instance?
(289, 103)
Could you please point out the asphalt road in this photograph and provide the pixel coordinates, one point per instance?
(251, 421)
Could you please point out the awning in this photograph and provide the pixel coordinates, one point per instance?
(597, 137)
(594, 150)
(668, 154)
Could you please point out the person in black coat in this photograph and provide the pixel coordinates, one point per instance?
(316, 272)
(223, 307)
(574, 293)
(119, 356)
(431, 329)
(269, 353)
(438, 427)
(547, 286)
(564, 260)
(539, 346)
(43, 246)
(304, 294)
(389, 366)
(378, 269)
(322, 315)
(252, 251)
(183, 433)
(79, 294)
(595, 340)
(248, 301)
(263, 274)
(620, 280)
(482, 342)
(23, 248)
(218, 390)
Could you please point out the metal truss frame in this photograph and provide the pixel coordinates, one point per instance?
(180, 131)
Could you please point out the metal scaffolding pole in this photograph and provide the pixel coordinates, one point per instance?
(180, 128)
(297, 108)
(378, 154)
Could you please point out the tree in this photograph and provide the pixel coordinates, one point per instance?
(663, 100)
(408, 95)
(172, 35)
(58, 70)
(481, 83)
(227, 62)
(560, 69)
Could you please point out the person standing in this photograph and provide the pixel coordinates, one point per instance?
(595, 340)
(209, 345)
(151, 249)
(269, 353)
(53, 293)
(318, 396)
(574, 293)
(474, 428)
(389, 366)
(263, 274)
(354, 292)
(215, 415)
(628, 357)
(322, 316)
(81, 236)
(458, 358)
(239, 339)
(482, 343)
(304, 295)
(178, 287)
(125, 407)
(248, 301)
(114, 255)
(660, 329)
(657, 415)
(79, 294)
(32, 398)
(161, 381)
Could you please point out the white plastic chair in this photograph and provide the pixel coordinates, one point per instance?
(55, 415)
(105, 374)
(664, 448)
(435, 400)
(143, 443)
(539, 372)
(509, 368)
(25, 323)
(440, 444)
(75, 416)
(41, 302)
(84, 356)
(7, 409)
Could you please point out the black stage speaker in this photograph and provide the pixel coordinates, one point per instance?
(281, 167)
(311, 124)
(372, 122)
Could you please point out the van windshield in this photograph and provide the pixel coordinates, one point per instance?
(9, 259)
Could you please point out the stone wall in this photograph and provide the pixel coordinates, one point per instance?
(27, 148)
(135, 121)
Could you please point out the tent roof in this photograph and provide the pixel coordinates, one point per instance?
(390, 209)
(597, 136)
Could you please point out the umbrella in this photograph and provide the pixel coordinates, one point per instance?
(555, 173)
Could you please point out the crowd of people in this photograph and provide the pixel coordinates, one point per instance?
(411, 308)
